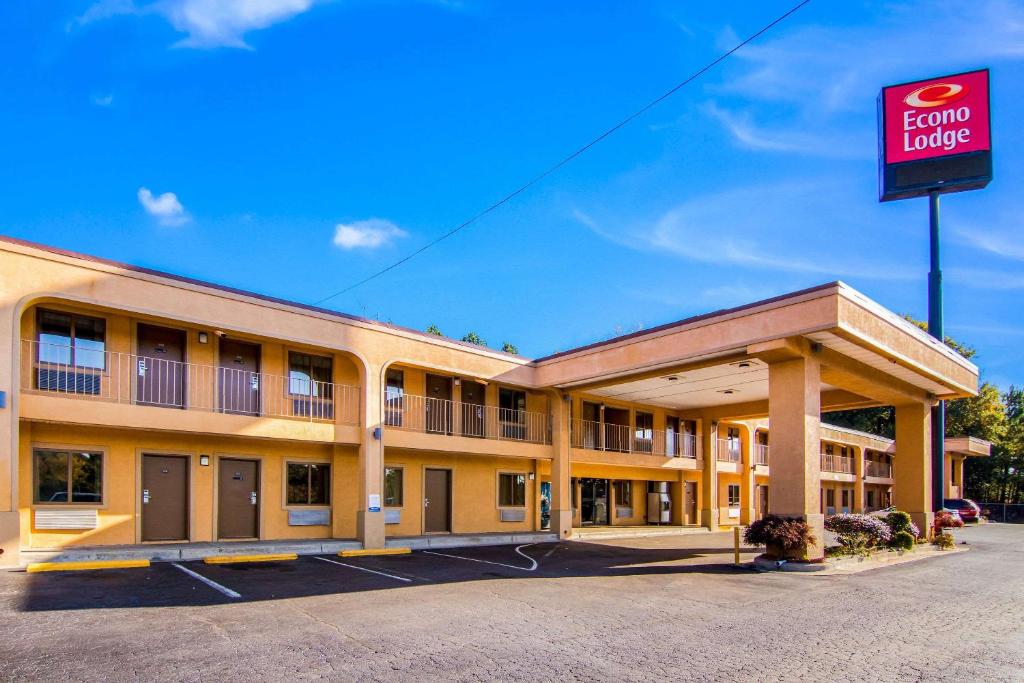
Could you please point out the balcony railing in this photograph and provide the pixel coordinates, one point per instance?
(143, 380)
(604, 436)
(442, 416)
(873, 468)
(842, 464)
(761, 454)
(729, 450)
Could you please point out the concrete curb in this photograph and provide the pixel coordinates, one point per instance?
(238, 559)
(374, 551)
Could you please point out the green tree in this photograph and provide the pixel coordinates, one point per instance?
(434, 330)
(474, 338)
(509, 347)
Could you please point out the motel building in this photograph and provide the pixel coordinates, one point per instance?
(149, 410)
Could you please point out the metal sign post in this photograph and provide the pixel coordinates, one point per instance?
(935, 329)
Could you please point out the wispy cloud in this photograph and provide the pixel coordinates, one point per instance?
(205, 23)
(103, 100)
(977, 278)
(998, 242)
(368, 234)
(165, 208)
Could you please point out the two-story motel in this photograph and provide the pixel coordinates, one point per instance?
(142, 408)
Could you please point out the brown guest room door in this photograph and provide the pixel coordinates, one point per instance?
(239, 377)
(164, 498)
(160, 371)
(437, 501)
(238, 508)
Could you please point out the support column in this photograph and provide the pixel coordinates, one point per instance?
(677, 492)
(912, 471)
(370, 471)
(858, 486)
(10, 439)
(709, 479)
(794, 413)
(561, 500)
(747, 510)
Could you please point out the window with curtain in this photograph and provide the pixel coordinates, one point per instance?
(309, 484)
(67, 476)
(511, 490)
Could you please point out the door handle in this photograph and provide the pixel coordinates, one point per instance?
(145, 496)
(252, 497)
(142, 367)
(426, 502)
(255, 382)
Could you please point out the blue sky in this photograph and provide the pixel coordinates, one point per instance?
(308, 144)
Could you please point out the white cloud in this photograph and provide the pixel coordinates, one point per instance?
(368, 234)
(205, 23)
(103, 100)
(995, 242)
(165, 208)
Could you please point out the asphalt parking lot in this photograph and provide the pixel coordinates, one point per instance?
(624, 610)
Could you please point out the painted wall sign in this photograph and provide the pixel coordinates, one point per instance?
(935, 135)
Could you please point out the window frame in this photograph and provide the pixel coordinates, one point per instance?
(401, 486)
(308, 464)
(74, 318)
(513, 504)
(323, 395)
(620, 486)
(394, 405)
(70, 450)
(729, 496)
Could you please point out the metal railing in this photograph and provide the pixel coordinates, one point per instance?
(842, 464)
(604, 436)
(761, 454)
(873, 468)
(443, 416)
(116, 377)
(729, 450)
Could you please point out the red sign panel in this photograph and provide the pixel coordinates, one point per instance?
(936, 118)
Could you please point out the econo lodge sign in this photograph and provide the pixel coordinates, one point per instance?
(935, 136)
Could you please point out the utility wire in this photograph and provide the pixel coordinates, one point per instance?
(536, 179)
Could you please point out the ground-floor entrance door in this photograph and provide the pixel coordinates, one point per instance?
(761, 504)
(594, 502)
(690, 502)
(545, 505)
(437, 501)
(238, 509)
(164, 498)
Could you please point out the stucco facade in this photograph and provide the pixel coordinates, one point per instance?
(340, 427)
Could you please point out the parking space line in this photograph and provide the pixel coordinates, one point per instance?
(209, 582)
(364, 569)
(533, 562)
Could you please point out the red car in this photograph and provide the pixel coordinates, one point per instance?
(968, 509)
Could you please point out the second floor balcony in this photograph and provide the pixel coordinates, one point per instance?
(874, 468)
(605, 436)
(455, 418)
(761, 454)
(841, 464)
(729, 450)
(126, 378)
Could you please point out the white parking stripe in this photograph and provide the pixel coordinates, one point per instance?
(364, 569)
(500, 564)
(209, 582)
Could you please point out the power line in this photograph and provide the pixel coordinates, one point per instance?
(565, 160)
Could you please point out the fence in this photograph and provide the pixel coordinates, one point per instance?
(1010, 513)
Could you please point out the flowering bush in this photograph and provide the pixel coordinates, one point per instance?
(780, 533)
(900, 521)
(944, 541)
(903, 540)
(946, 520)
(875, 530)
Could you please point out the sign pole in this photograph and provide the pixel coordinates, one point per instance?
(935, 329)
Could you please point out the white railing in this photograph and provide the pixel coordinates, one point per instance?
(761, 454)
(729, 450)
(604, 436)
(442, 416)
(143, 380)
(873, 468)
(842, 464)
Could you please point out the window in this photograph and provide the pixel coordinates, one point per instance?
(393, 487)
(511, 490)
(511, 413)
(762, 437)
(309, 375)
(71, 340)
(644, 431)
(68, 476)
(394, 392)
(309, 484)
(846, 497)
(624, 493)
(734, 495)
(830, 498)
(871, 500)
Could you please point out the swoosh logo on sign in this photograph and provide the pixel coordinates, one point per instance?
(935, 95)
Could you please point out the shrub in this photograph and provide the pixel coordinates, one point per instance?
(874, 530)
(783, 533)
(900, 521)
(944, 541)
(855, 544)
(902, 540)
(946, 520)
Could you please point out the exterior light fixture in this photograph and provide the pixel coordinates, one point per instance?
(532, 476)
(672, 378)
(727, 391)
(204, 460)
(743, 364)
(203, 337)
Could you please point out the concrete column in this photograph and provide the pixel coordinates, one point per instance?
(709, 478)
(747, 510)
(561, 500)
(858, 486)
(370, 470)
(912, 471)
(794, 413)
(676, 490)
(10, 372)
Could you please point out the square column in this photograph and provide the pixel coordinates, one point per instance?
(912, 466)
(709, 480)
(794, 413)
(561, 500)
(747, 510)
(858, 486)
(370, 469)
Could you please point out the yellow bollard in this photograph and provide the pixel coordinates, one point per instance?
(736, 544)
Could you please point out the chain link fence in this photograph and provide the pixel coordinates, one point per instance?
(1012, 513)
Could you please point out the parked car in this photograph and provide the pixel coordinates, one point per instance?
(968, 509)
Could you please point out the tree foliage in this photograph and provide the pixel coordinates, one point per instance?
(474, 338)
(509, 347)
(434, 330)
